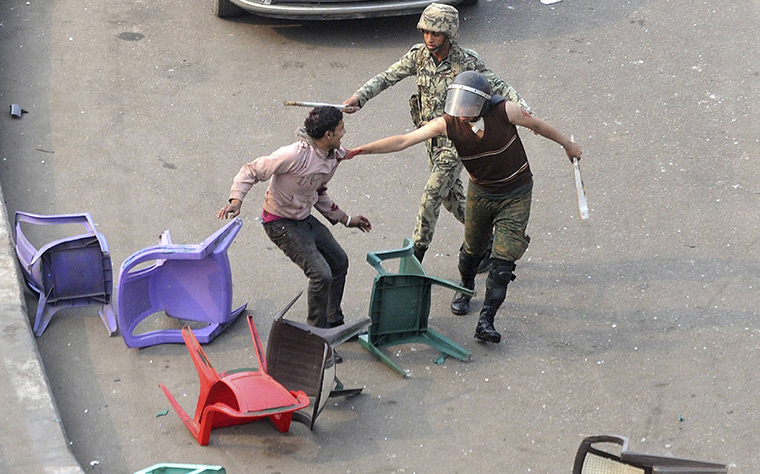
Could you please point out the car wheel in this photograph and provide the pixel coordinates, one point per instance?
(225, 9)
(468, 3)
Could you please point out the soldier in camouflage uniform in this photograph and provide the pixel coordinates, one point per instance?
(435, 63)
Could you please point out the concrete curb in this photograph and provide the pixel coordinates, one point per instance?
(34, 439)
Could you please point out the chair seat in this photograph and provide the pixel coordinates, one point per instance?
(70, 272)
(189, 282)
(270, 392)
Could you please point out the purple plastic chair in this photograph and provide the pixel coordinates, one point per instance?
(188, 282)
(66, 273)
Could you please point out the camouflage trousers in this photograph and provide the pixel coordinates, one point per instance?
(444, 186)
(506, 215)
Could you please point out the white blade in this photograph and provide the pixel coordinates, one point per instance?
(579, 189)
(582, 204)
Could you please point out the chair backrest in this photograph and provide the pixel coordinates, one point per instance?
(302, 361)
(609, 454)
(207, 374)
(399, 305)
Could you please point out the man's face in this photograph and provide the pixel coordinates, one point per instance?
(335, 136)
(434, 41)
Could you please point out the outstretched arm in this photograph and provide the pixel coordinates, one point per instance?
(433, 128)
(401, 69)
(522, 117)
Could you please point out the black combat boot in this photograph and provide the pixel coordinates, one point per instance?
(496, 292)
(419, 252)
(467, 270)
(485, 330)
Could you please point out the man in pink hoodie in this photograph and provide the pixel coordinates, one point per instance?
(299, 174)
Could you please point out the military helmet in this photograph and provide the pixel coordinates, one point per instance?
(467, 95)
(440, 18)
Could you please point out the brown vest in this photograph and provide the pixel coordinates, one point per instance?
(496, 162)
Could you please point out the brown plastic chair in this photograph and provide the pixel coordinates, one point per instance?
(301, 357)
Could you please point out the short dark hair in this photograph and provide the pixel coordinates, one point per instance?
(321, 119)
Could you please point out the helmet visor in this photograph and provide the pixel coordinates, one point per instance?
(464, 101)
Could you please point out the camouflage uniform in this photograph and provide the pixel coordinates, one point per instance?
(444, 186)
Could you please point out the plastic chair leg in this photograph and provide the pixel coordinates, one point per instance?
(446, 345)
(191, 425)
(109, 318)
(282, 421)
(208, 333)
(44, 315)
(375, 351)
(340, 391)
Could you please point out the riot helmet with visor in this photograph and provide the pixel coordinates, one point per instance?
(467, 95)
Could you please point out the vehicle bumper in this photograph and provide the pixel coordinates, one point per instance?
(335, 10)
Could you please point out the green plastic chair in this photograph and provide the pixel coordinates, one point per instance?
(172, 468)
(400, 306)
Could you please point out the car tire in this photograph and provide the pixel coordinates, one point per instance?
(226, 9)
(468, 3)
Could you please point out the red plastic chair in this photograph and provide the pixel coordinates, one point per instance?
(236, 396)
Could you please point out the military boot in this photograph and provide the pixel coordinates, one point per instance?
(467, 270)
(460, 305)
(485, 331)
(496, 292)
(419, 252)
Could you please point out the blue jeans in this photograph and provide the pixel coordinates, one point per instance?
(311, 246)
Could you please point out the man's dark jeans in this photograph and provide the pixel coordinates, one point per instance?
(311, 246)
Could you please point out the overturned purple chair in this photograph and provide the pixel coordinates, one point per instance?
(188, 282)
(69, 272)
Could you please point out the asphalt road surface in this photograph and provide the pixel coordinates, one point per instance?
(641, 321)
